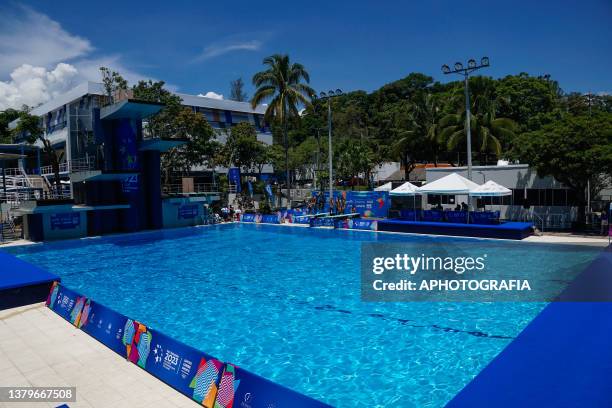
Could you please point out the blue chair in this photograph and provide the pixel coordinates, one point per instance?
(433, 215)
(458, 217)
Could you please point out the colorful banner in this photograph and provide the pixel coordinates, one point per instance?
(367, 203)
(208, 381)
(188, 211)
(242, 389)
(67, 220)
(322, 222)
(189, 371)
(66, 303)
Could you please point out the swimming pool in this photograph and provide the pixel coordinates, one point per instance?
(285, 303)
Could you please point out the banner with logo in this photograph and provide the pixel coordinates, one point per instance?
(242, 389)
(270, 218)
(66, 303)
(369, 204)
(110, 328)
(233, 174)
(363, 224)
(188, 211)
(248, 217)
(301, 219)
(64, 221)
(189, 371)
(129, 184)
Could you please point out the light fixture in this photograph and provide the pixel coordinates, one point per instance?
(323, 94)
(445, 69)
(458, 66)
(338, 91)
(484, 61)
(471, 63)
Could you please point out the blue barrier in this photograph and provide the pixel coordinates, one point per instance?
(110, 328)
(248, 217)
(206, 380)
(66, 303)
(270, 218)
(363, 224)
(240, 388)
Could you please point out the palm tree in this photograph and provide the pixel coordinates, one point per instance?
(489, 132)
(281, 84)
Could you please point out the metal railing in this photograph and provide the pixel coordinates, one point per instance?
(197, 188)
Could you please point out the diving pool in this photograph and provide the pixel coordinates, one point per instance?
(285, 303)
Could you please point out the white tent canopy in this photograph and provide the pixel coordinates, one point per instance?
(406, 189)
(451, 184)
(490, 189)
(385, 187)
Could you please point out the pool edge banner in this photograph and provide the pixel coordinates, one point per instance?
(186, 369)
(66, 303)
(110, 328)
(191, 372)
(240, 388)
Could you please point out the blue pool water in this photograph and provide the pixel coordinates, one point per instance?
(285, 304)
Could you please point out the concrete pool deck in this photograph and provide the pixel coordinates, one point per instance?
(39, 348)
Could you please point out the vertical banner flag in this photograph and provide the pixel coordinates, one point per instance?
(250, 186)
(233, 175)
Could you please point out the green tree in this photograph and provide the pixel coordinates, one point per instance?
(6, 117)
(575, 150)
(282, 86)
(175, 121)
(490, 134)
(237, 91)
(241, 149)
(113, 82)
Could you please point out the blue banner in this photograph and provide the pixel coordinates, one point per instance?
(67, 220)
(129, 184)
(248, 217)
(270, 218)
(242, 389)
(110, 328)
(269, 191)
(322, 222)
(66, 303)
(189, 371)
(363, 224)
(250, 186)
(369, 204)
(300, 219)
(188, 211)
(233, 175)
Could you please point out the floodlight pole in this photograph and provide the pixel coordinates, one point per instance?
(328, 96)
(329, 141)
(459, 69)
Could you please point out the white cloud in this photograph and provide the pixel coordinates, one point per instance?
(40, 60)
(212, 95)
(34, 85)
(29, 37)
(223, 48)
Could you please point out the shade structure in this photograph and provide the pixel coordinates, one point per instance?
(491, 189)
(406, 189)
(385, 187)
(451, 184)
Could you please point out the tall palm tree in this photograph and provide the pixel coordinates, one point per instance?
(281, 86)
(488, 131)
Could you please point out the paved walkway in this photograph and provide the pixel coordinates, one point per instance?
(39, 348)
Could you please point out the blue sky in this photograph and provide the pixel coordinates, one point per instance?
(200, 46)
